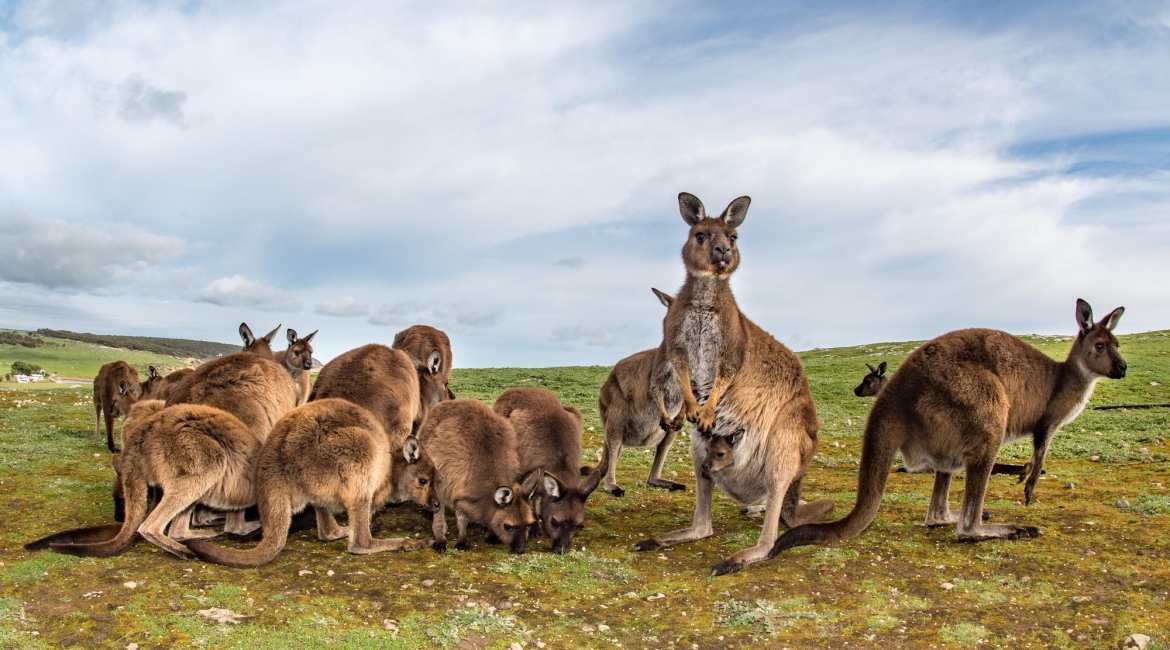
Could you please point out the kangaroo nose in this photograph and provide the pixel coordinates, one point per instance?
(720, 250)
(1121, 366)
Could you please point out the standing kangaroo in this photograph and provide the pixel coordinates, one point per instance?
(333, 455)
(298, 361)
(641, 405)
(750, 381)
(115, 389)
(548, 437)
(422, 342)
(954, 403)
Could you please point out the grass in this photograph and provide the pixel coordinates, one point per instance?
(76, 359)
(1099, 573)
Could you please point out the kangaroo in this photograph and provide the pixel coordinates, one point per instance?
(196, 454)
(262, 345)
(115, 389)
(954, 403)
(548, 436)
(298, 361)
(149, 388)
(640, 405)
(333, 455)
(751, 382)
(477, 469)
(391, 384)
(874, 382)
(421, 342)
(161, 387)
(720, 452)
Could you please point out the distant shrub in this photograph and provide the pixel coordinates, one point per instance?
(25, 368)
(181, 348)
(12, 338)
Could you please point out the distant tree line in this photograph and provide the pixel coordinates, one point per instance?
(182, 348)
(29, 341)
(25, 368)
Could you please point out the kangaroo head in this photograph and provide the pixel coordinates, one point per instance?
(720, 452)
(874, 382)
(147, 388)
(432, 386)
(262, 345)
(510, 513)
(414, 476)
(562, 508)
(128, 393)
(1096, 349)
(710, 250)
(300, 351)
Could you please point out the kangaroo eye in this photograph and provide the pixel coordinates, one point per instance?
(509, 528)
(555, 523)
(422, 482)
(733, 238)
(1100, 347)
(701, 237)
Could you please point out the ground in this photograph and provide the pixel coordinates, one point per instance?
(1101, 570)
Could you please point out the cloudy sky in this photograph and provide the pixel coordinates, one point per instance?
(509, 173)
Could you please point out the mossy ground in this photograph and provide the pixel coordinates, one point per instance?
(1099, 572)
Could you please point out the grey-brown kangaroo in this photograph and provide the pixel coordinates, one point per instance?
(954, 403)
(749, 380)
(641, 405)
(115, 389)
(422, 342)
(297, 359)
(872, 383)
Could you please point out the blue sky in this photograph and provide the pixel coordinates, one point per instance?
(509, 174)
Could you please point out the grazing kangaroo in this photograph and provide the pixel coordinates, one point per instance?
(548, 436)
(751, 381)
(391, 384)
(477, 469)
(115, 389)
(421, 342)
(874, 382)
(641, 405)
(954, 403)
(196, 454)
(333, 455)
(298, 361)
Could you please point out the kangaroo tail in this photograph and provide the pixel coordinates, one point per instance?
(880, 445)
(275, 515)
(90, 535)
(88, 542)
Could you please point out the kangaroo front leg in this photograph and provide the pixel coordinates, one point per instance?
(439, 528)
(461, 521)
(1035, 464)
(236, 523)
(706, 420)
(690, 405)
(655, 479)
(938, 513)
(700, 524)
(744, 557)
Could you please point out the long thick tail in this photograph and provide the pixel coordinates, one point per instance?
(89, 535)
(275, 515)
(880, 445)
(85, 544)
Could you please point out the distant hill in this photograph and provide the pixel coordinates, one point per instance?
(181, 348)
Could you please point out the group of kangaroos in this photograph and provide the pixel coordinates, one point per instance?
(246, 441)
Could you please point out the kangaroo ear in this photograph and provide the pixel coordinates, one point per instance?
(871, 368)
(591, 482)
(1084, 316)
(881, 369)
(736, 211)
(291, 335)
(665, 298)
(1110, 321)
(121, 386)
(691, 208)
(271, 335)
(735, 437)
(434, 361)
(246, 335)
(153, 372)
(410, 449)
(529, 484)
(503, 496)
(553, 488)
(309, 338)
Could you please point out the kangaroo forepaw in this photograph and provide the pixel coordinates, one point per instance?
(647, 545)
(440, 547)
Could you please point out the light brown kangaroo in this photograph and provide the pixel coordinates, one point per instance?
(478, 474)
(262, 345)
(297, 359)
(391, 384)
(161, 387)
(954, 403)
(333, 455)
(750, 381)
(115, 389)
(548, 437)
(421, 342)
(196, 454)
(641, 405)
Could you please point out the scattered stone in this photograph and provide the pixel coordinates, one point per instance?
(588, 629)
(91, 594)
(1081, 599)
(329, 572)
(428, 583)
(1122, 504)
(515, 646)
(304, 572)
(602, 627)
(948, 586)
(504, 605)
(174, 607)
(1070, 486)
(540, 644)
(130, 585)
(662, 557)
(1155, 383)
(131, 646)
(630, 594)
(390, 624)
(658, 596)
(1139, 641)
(1099, 621)
(220, 615)
(1094, 458)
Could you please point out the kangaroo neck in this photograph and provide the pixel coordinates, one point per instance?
(707, 292)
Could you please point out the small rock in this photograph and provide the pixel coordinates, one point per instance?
(1139, 641)
(849, 422)
(662, 557)
(1081, 599)
(390, 624)
(1099, 621)
(658, 596)
(515, 646)
(174, 607)
(329, 572)
(540, 644)
(1122, 504)
(131, 646)
(504, 605)
(220, 615)
(948, 586)
(1070, 486)
(630, 594)
(1094, 458)
(602, 627)
(588, 629)
(1155, 383)
(130, 585)
(428, 583)
(304, 572)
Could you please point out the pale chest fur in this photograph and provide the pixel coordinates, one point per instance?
(702, 336)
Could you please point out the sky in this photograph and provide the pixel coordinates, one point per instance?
(509, 172)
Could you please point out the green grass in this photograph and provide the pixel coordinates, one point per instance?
(1099, 570)
(79, 360)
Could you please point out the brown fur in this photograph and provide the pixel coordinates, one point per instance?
(196, 454)
(421, 342)
(250, 386)
(954, 403)
(391, 384)
(115, 389)
(475, 455)
(262, 345)
(333, 455)
(298, 361)
(640, 405)
(548, 436)
(872, 383)
(161, 387)
(750, 382)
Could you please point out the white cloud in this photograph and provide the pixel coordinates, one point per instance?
(238, 291)
(346, 306)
